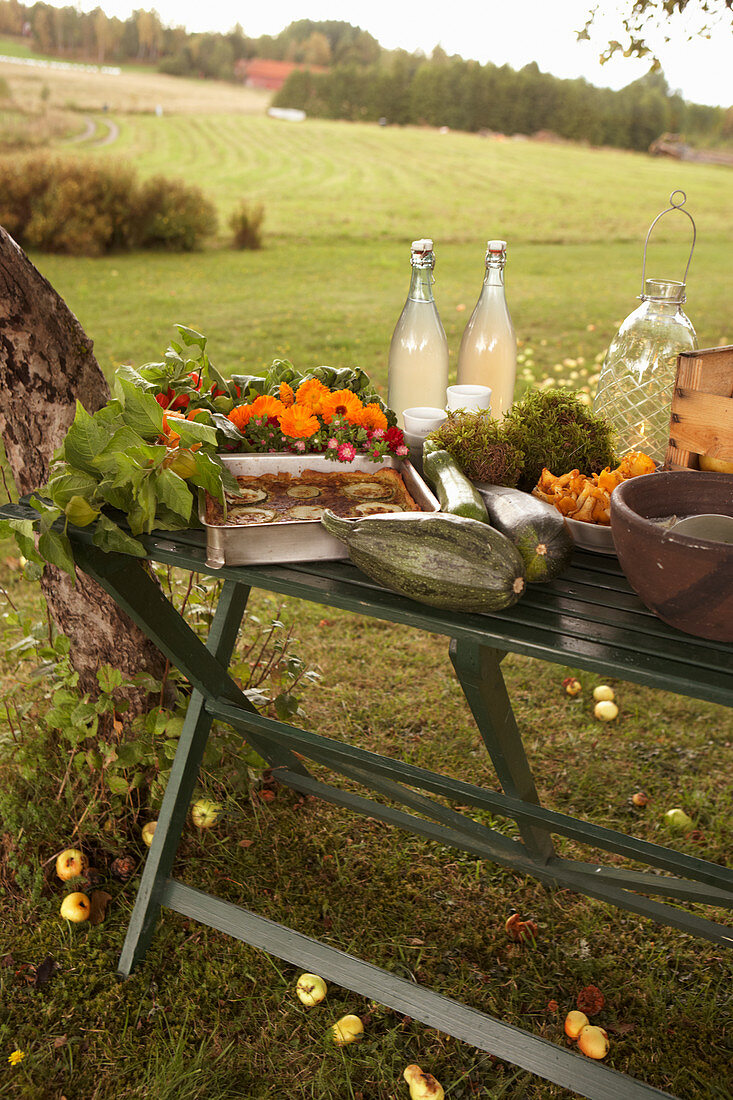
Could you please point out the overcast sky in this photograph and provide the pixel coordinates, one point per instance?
(501, 31)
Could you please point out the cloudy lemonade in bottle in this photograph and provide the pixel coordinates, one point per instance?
(488, 352)
(418, 353)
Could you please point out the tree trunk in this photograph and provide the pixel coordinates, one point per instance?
(46, 365)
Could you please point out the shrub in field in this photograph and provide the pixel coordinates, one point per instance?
(172, 214)
(85, 211)
(246, 225)
(89, 209)
(23, 183)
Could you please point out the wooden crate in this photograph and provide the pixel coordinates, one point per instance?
(702, 408)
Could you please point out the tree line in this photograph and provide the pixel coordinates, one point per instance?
(142, 37)
(365, 82)
(464, 95)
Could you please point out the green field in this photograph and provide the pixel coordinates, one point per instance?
(342, 204)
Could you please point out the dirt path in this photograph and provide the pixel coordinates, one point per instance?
(113, 132)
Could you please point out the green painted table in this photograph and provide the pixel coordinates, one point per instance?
(589, 618)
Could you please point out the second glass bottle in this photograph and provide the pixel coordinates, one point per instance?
(488, 352)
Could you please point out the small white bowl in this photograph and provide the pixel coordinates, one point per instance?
(592, 536)
(423, 419)
(468, 397)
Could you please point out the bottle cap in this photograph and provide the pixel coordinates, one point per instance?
(496, 246)
(421, 253)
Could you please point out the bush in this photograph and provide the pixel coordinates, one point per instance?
(86, 211)
(90, 209)
(246, 225)
(171, 214)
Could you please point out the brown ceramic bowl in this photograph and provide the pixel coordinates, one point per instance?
(687, 581)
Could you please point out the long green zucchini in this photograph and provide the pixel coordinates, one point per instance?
(442, 560)
(537, 530)
(456, 493)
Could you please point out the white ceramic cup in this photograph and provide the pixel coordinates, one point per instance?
(468, 397)
(423, 419)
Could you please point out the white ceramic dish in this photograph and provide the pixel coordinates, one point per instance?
(423, 419)
(592, 536)
(468, 397)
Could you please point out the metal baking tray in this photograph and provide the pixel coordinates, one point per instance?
(294, 540)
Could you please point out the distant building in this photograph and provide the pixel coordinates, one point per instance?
(261, 72)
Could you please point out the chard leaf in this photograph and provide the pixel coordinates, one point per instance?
(55, 547)
(111, 538)
(141, 411)
(23, 530)
(137, 378)
(212, 476)
(63, 486)
(194, 431)
(174, 493)
(225, 427)
(141, 514)
(190, 337)
(87, 436)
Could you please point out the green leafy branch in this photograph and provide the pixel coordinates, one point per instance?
(134, 458)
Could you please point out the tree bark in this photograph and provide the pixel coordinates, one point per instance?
(46, 365)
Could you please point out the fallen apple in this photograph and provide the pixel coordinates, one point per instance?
(603, 692)
(311, 989)
(205, 813)
(678, 820)
(605, 711)
(593, 1042)
(148, 833)
(70, 864)
(640, 798)
(572, 686)
(75, 907)
(574, 1023)
(423, 1086)
(347, 1030)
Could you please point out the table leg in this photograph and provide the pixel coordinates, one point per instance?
(479, 672)
(179, 789)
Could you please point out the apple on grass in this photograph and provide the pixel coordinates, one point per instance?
(593, 1042)
(311, 989)
(75, 907)
(678, 820)
(347, 1030)
(70, 864)
(205, 813)
(423, 1086)
(148, 832)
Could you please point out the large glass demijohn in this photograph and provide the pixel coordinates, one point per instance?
(637, 378)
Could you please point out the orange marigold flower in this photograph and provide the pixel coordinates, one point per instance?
(312, 393)
(372, 417)
(299, 422)
(342, 403)
(286, 394)
(240, 416)
(268, 406)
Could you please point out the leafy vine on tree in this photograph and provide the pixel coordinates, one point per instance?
(642, 20)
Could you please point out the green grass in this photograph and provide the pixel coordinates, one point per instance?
(342, 204)
(207, 1016)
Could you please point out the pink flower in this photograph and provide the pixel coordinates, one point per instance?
(299, 445)
(402, 451)
(378, 433)
(346, 452)
(332, 444)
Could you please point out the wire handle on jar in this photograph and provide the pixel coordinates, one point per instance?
(672, 206)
